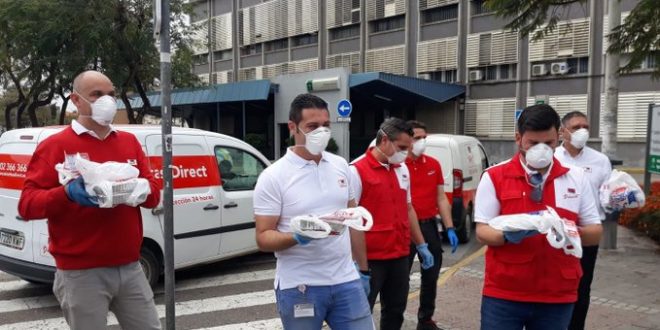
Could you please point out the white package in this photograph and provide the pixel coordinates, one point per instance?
(560, 233)
(335, 223)
(620, 192)
(113, 183)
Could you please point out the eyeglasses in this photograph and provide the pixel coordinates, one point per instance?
(536, 180)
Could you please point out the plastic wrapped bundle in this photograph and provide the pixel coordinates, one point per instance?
(333, 223)
(560, 233)
(620, 192)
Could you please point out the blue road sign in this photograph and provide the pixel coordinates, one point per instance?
(344, 108)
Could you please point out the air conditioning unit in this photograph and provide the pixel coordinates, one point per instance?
(476, 75)
(559, 68)
(539, 70)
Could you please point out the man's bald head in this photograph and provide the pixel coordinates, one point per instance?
(87, 78)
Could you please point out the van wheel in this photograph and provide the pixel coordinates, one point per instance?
(150, 265)
(464, 232)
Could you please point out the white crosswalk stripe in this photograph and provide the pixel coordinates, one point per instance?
(259, 299)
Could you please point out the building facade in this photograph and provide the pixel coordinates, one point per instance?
(454, 41)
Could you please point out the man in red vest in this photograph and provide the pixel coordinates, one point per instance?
(428, 200)
(382, 185)
(528, 283)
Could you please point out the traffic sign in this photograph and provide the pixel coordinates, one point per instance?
(653, 164)
(344, 108)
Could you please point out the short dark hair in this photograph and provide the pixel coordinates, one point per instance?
(572, 115)
(417, 124)
(539, 117)
(305, 101)
(392, 127)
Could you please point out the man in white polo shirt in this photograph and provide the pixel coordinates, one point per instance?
(597, 168)
(315, 280)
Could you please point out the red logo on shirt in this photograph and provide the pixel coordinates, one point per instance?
(342, 183)
(571, 190)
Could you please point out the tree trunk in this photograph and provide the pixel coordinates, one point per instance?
(609, 112)
(36, 103)
(146, 104)
(65, 103)
(129, 108)
(8, 109)
(19, 113)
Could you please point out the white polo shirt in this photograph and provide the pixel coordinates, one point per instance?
(597, 168)
(80, 129)
(294, 186)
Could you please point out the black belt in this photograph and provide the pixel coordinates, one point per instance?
(427, 219)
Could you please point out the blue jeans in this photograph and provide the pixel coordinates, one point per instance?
(500, 314)
(343, 306)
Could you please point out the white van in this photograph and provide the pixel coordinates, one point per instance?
(213, 218)
(463, 160)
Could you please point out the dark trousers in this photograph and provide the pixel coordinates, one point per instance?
(501, 314)
(588, 263)
(391, 279)
(429, 286)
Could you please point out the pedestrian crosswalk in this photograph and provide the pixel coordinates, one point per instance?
(226, 301)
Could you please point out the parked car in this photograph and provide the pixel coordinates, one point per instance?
(463, 160)
(214, 177)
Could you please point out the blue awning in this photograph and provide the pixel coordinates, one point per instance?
(402, 87)
(253, 90)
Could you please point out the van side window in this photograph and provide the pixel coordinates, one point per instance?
(239, 169)
(484, 159)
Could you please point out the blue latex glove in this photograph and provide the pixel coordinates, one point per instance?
(76, 192)
(365, 280)
(427, 257)
(453, 239)
(301, 240)
(516, 237)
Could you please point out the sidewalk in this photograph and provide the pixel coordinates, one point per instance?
(625, 293)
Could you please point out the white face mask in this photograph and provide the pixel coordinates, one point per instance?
(103, 109)
(418, 147)
(579, 138)
(539, 156)
(317, 140)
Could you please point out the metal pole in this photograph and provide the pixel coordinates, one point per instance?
(166, 122)
(243, 120)
(647, 174)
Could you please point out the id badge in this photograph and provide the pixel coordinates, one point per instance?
(303, 310)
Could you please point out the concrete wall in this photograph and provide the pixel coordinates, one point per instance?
(344, 46)
(387, 39)
(304, 52)
(292, 85)
(279, 56)
(493, 90)
(439, 30)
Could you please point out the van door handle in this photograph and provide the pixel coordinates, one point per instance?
(211, 207)
(157, 210)
(19, 218)
(230, 205)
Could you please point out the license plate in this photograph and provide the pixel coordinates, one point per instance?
(11, 240)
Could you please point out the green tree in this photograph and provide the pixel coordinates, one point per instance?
(41, 53)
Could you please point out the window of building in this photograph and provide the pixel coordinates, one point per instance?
(305, 39)
(504, 71)
(491, 72)
(440, 14)
(355, 4)
(201, 59)
(239, 169)
(388, 24)
(578, 65)
(650, 62)
(345, 32)
(479, 7)
(449, 76)
(223, 55)
(251, 50)
(276, 45)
